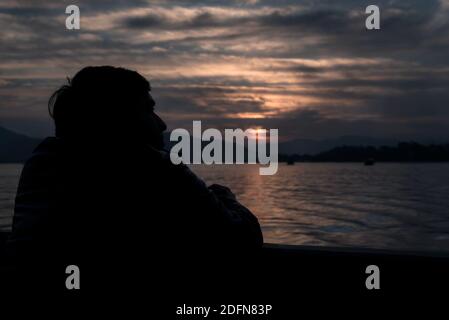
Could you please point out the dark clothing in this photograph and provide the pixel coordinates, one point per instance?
(98, 200)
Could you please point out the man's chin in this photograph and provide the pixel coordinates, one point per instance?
(158, 144)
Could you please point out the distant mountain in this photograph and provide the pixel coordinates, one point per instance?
(308, 146)
(15, 147)
(312, 147)
(402, 152)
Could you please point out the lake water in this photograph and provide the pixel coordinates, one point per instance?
(391, 206)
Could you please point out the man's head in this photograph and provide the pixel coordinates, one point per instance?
(108, 103)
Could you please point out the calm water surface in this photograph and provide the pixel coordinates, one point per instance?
(393, 206)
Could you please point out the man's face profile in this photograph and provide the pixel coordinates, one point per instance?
(152, 125)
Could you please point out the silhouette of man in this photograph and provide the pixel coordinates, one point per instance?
(104, 186)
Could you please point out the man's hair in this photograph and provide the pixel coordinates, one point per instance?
(96, 101)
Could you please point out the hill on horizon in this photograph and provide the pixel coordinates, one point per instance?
(315, 146)
(15, 147)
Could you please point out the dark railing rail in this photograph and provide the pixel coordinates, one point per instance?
(295, 251)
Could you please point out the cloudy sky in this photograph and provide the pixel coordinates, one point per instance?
(308, 68)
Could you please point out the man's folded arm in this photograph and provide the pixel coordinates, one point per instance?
(219, 210)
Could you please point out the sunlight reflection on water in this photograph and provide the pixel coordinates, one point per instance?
(392, 206)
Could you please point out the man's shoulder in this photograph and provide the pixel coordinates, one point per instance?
(160, 160)
(45, 153)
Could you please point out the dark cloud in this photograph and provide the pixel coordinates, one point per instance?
(148, 21)
(311, 63)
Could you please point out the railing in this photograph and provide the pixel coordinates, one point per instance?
(295, 251)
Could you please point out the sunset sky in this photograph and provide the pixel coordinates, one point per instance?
(308, 68)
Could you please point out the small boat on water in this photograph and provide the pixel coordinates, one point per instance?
(369, 162)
